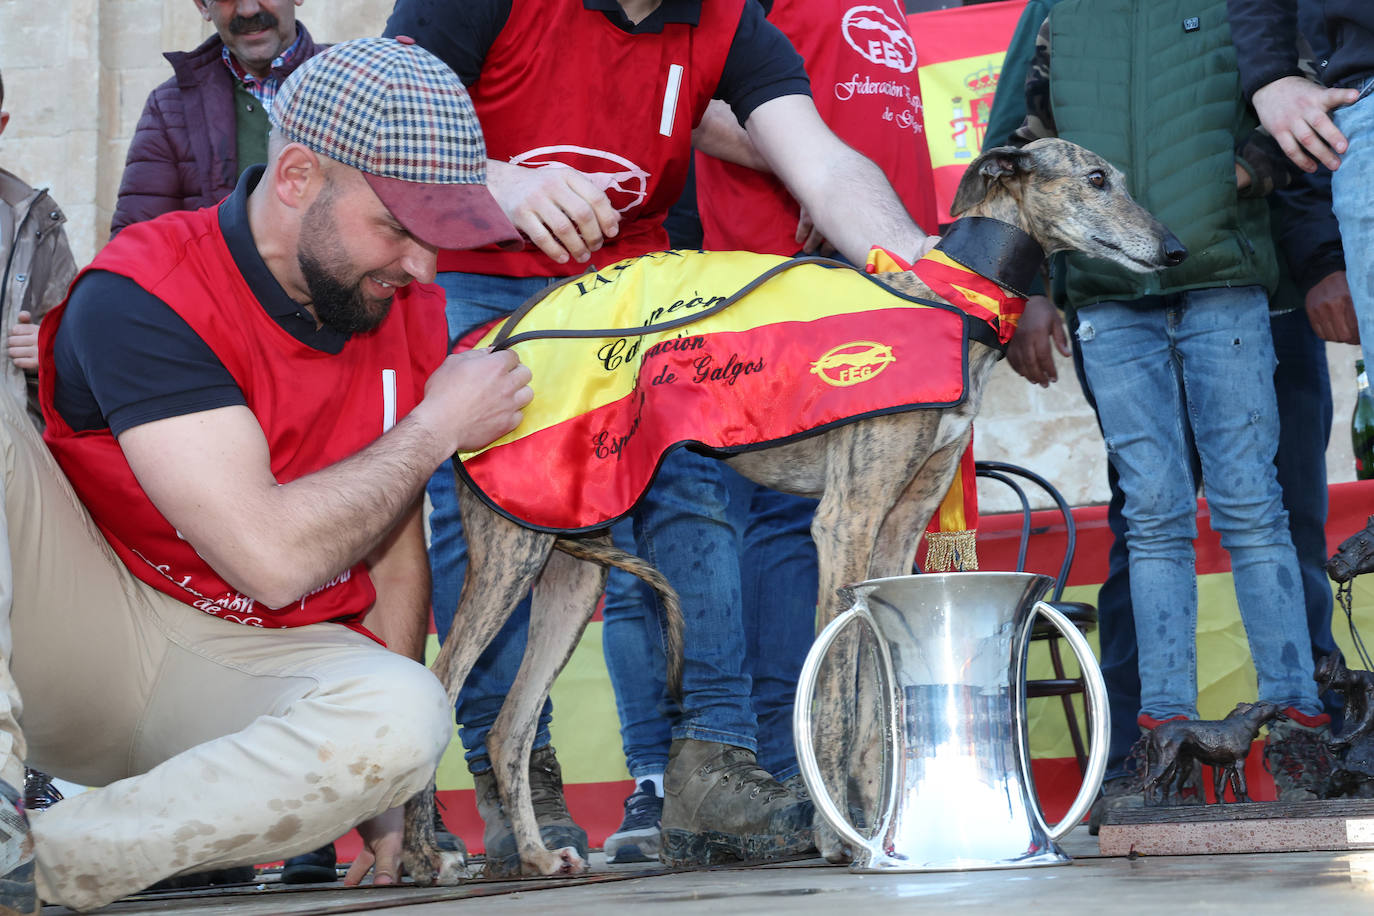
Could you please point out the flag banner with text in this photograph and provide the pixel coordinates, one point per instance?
(959, 55)
(811, 347)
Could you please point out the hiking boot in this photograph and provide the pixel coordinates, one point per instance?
(1297, 757)
(1118, 794)
(797, 786)
(316, 867)
(720, 806)
(18, 896)
(446, 839)
(556, 826)
(640, 834)
(1171, 795)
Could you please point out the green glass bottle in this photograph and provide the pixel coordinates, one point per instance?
(1362, 425)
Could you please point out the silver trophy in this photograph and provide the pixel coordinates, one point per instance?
(957, 792)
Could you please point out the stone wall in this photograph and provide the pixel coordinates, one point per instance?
(77, 73)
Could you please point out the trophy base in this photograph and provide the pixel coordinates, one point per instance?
(1335, 824)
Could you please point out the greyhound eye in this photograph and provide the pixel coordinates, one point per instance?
(1098, 179)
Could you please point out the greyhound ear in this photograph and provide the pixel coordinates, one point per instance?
(995, 164)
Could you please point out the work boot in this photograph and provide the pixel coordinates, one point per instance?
(18, 896)
(720, 806)
(556, 826)
(1296, 755)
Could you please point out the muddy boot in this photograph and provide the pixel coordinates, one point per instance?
(1297, 756)
(556, 826)
(720, 806)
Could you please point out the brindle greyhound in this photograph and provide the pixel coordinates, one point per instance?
(878, 480)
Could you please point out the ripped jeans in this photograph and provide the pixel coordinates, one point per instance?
(1199, 366)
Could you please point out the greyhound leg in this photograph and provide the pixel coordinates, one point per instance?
(564, 599)
(503, 561)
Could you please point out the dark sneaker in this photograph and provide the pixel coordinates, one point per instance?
(1297, 757)
(556, 826)
(316, 867)
(39, 792)
(640, 834)
(18, 896)
(720, 806)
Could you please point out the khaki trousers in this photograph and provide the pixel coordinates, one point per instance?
(212, 743)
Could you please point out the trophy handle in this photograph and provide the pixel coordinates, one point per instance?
(1098, 715)
(801, 725)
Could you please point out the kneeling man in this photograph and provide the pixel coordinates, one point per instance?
(245, 403)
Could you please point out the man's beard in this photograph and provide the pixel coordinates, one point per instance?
(339, 304)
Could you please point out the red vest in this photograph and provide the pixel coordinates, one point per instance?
(862, 64)
(562, 85)
(314, 408)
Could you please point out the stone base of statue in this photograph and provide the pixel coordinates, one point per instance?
(1334, 824)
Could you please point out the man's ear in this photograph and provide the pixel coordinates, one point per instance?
(202, 9)
(996, 164)
(296, 173)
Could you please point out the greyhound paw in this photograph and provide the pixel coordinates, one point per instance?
(434, 867)
(563, 861)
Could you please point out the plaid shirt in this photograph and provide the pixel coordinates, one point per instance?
(264, 89)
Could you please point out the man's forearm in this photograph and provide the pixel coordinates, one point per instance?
(400, 572)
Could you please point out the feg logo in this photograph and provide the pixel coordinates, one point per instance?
(879, 37)
(852, 363)
(626, 184)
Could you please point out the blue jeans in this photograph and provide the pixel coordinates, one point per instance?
(1352, 192)
(779, 581)
(1201, 361)
(1302, 387)
(474, 300)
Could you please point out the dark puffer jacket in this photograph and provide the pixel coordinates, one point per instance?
(1265, 33)
(184, 152)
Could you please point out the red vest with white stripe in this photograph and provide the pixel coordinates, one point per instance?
(314, 408)
(562, 85)
(862, 64)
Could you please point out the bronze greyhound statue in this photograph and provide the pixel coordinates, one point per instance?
(878, 479)
(1173, 748)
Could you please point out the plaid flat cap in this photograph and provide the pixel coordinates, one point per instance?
(398, 114)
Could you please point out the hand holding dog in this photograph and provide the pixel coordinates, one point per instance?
(1331, 310)
(23, 345)
(1294, 110)
(563, 212)
(1029, 351)
(475, 398)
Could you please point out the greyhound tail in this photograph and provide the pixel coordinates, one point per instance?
(606, 554)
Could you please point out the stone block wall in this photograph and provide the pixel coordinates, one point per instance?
(77, 73)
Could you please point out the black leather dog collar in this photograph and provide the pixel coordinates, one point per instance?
(996, 250)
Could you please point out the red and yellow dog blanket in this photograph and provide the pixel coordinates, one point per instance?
(811, 347)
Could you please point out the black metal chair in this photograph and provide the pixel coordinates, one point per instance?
(1081, 614)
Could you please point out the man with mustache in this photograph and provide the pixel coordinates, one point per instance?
(205, 125)
(243, 405)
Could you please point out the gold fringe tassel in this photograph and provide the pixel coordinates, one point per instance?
(951, 551)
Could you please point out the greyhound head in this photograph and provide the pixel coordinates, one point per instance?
(1068, 199)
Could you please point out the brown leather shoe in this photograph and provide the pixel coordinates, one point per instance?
(720, 806)
(556, 826)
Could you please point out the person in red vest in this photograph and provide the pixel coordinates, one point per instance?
(589, 108)
(243, 404)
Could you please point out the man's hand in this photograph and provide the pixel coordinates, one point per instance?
(1294, 110)
(809, 239)
(563, 212)
(1331, 310)
(381, 852)
(1029, 351)
(475, 398)
(24, 342)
